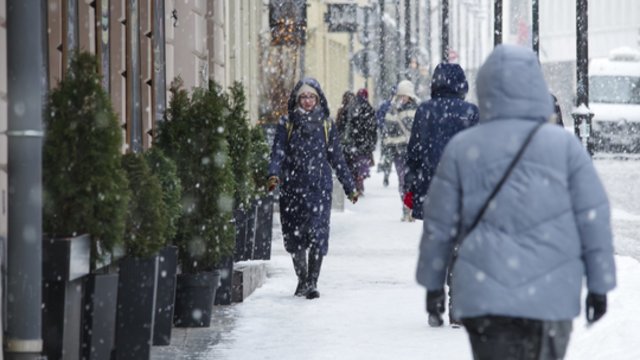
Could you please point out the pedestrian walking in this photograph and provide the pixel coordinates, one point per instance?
(305, 148)
(343, 118)
(397, 130)
(359, 136)
(437, 120)
(557, 111)
(523, 204)
(384, 163)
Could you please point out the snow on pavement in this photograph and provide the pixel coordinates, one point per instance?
(372, 308)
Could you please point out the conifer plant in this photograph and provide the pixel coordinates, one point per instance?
(194, 136)
(85, 187)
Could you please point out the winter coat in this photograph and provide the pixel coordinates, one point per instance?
(549, 225)
(397, 128)
(305, 148)
(436, 122)
(360, 132)
(381, 113)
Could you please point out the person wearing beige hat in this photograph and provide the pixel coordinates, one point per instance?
(397, 130)
(305, 150)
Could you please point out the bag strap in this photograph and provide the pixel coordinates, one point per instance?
(499, 185)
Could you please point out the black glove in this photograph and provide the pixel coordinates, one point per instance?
(596, 307)
(435, 307)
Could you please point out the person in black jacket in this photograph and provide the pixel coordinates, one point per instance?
(359, 135)
(304, 152)
(436, 122)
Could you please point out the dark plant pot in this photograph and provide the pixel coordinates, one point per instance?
(194, 299)
(136, 307)
(250, 231)
(240, 222)
(99, 316)
(64, 262)
(224, 292)
(263, 228)
(165, 295)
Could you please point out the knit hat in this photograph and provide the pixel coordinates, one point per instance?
(363, 93)
(305, 88)
(405, 87)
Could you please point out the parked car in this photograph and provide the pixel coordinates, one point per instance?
(614, 92)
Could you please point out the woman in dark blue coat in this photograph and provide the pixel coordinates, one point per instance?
(305, 148)
(435, 123)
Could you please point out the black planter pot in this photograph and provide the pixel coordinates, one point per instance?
(263, 228)
(165, 295)
(64, 262)
(136, 307)
(240, 222)
(224, 292)
(194, 299)
(99, 316)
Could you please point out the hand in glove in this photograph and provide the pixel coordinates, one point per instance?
(596, 307)
(272, 183)
(408, 199)
(353, 197)
(435, 307)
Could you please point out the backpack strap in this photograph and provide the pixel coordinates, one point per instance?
(326, 125)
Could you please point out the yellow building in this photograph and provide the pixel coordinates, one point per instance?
(327, 54)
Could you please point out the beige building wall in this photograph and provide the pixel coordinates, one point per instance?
(218, 40)
(327, 55)
(186, 37)
(237, 25)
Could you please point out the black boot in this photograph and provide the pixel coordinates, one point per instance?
(300, 267)
(315, 262)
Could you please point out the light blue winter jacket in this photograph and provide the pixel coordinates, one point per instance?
(548, 227)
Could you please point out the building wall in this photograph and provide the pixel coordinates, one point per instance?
(611, 24)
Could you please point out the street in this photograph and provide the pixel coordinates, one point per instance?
(370, 305)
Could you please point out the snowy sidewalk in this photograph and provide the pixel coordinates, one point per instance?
(370, 305)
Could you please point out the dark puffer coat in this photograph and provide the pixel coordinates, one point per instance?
(305, 148)
(435, 123)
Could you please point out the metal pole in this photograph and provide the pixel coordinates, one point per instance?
(582, 115)
(455, 18)
(26, 92)
(351, 61)
(398, 43)
(497, 22)
(535, 19)
(365, 56)
(407, 35)
(383, 70)
(133, 74)
(467, 38)
(445, 31)
(427, 34)
(159, 60)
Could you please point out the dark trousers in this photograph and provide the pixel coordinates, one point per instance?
(510, 338)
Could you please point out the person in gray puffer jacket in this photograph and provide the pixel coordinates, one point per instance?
(517, 280)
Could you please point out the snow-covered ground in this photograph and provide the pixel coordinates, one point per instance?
(371, 307)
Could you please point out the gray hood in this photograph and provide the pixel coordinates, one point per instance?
(510, 85)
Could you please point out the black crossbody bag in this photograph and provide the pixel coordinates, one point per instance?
(463, 234)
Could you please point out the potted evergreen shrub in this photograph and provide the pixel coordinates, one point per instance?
(145, 235)
(165, 169)
(259, 163)
(85, 192)
(193, 135)
(239, 139)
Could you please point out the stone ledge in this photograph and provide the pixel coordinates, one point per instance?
(247, 276)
